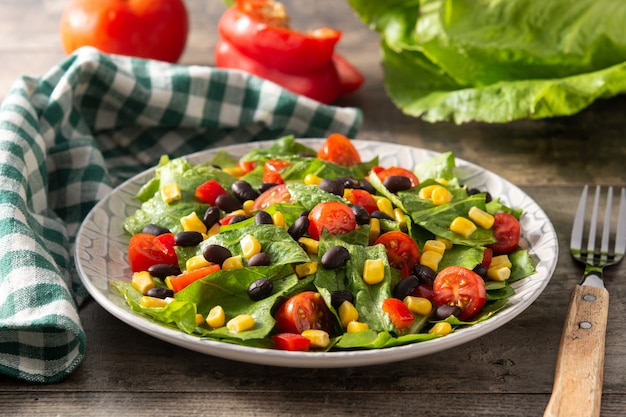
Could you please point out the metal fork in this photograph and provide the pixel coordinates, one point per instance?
(577, 387)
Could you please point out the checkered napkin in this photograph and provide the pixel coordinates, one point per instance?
(68, 138)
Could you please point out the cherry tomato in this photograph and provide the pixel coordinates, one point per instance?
(362, 198)
(333, 216)
(507, 231)
(209, 190)
(398, 312)
(181, 281)
(304, 311)
(246, 166)
(271, 171)
(145, 250)
(275, 195)
(349, 77)
(291, 342)
(402, 251)
(393, 171)
(141, 28)
(338, 149)
(461, 287)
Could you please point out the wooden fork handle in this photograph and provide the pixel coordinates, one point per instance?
(577, 387)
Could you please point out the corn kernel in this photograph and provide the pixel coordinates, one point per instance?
(142, 281)
(374, 229)
(463, 226)
(501, 260)
(250, 246)
(247, 206)
(431, 259)
(234, 262)
(418, 305)
(306, 269)
(445, 242)
(236, 171)
(239, 212)
(356, 326)
(347, 313)
(196, 262)
(312, 179)
(215, 229)
(318, 338)
(385, 206)
(481, 217)
(152, 302)
(240, 323)
(442, 181)
(192, 223)
(199, 319)
(435, 246)
(167, 282)
(170, 193)
(216, 317)
(499, 273)
(440, 195)
(312, 246)
(400, 217)
(279, 219)
(373, 271)
(427, 192)
(441, 329)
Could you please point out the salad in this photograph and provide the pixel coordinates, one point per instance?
(308, 249)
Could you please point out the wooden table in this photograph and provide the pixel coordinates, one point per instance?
(506, 373)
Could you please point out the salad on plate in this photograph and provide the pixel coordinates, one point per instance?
(303, 249)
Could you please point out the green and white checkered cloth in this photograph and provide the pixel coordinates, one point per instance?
(69, 137)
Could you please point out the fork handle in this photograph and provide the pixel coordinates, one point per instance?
(577, 389)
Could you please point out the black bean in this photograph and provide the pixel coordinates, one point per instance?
(154, 229)
(377, 214)
(266, 186)
(405, 287)
(425, 275)
(304, 213)
(335, 257)
(160, 292)
(299, 227)
(337, 297)
(259, 259)
(244, 191)
(481, 270)
(361, 215)
(444, 311)
(163, 270)
(365, 185)
(211, 216)
(332, 186)
(227, 203)
(472, 191)
(189, 238)
(238, 218)
(260, 289)
(395, 183)
(216, 254)
(349, 182)
(262, 217)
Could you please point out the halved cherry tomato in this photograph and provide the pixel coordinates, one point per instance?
(361, 198)
(145, 250)
(399, 171)
(402, 251)
(209, 190)
(181, 281)
(507, 231)
(304, 311)
(335, 217)
(398, 312)
(275, 195)
(271, 171)
(291, 342)
(461, 287)
(338, 149)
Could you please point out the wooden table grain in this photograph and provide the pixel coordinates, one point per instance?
(508, 372)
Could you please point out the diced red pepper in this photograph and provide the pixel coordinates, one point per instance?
(291, 341)
(179, 282)
(209, 190)
(398, 312)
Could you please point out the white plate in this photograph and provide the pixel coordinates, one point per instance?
(101, 255)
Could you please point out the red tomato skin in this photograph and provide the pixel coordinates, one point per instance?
(304, 311)
(141, 28)
(507, 231)
(363, 199)
(398, 312)
(335, 217)
(383, 173)
(402, 251)
(271, 171)
(350, 78)
(459, 286)
(209, 190)
(338, 149)
(145, 250)
(291, 341)
(275, 195)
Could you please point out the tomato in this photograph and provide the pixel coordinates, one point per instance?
(291, 342)
(349, 77)
(145, 250)
(335, 217)
(487, 256)
(246, 166)
(398, 312)
(304, 311)
(383, 173)
(275, 195)
(507, 231)
(461, 287)
(271, 171)
(209, 190)
(181, 281)
(141, 28)
(338, 149)
(362, 198)
(402, 251)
